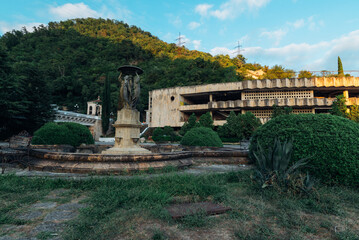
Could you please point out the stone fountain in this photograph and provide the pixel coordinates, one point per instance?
(128, 126)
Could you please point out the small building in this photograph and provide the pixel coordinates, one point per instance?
(173, 106)
(94, 107)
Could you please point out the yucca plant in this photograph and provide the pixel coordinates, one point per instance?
(273, 168)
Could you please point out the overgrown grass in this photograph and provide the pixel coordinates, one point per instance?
(118, 208)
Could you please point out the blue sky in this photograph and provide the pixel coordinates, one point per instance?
(298, 34)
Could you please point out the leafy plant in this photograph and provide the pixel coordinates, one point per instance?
(277, 111)
(239, 126)
(331, 140)
(201, 136)
(273, 168)
(63, 133)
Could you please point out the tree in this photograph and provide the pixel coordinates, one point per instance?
(206, 120)
(339, 107)
(106, 105)
(354, 113)
(191, 123)
(277, 111)
(305, 74)
(340, 67)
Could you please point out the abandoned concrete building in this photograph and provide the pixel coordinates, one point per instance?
(173, 106)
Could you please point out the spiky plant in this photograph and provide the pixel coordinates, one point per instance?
(273, 168)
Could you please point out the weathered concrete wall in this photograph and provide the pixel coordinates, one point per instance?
(168, 106)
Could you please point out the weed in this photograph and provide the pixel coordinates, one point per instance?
(196, 220)
(159, 235)
(44, 235)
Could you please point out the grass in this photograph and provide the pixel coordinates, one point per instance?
(134, 208)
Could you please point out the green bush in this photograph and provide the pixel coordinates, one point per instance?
(80, 133)
(63, 133)
(239, 126)
(330, 141)
(165, 134)
(201, 136)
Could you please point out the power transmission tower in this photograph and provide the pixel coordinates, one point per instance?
(239, 49)
(180, 44)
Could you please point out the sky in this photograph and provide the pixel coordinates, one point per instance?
(297, 34)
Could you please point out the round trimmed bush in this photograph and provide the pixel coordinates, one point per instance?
(330, 141)
(63, 133)
(201, 136)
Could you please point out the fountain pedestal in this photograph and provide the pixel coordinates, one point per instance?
(127, 133)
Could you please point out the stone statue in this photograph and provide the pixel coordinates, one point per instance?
(127, 125)
(130, 87)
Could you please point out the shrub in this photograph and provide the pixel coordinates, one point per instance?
(331, 141)
(241, 126)
(64, 133)
(165, 134)
(80, 133)
(201, 136)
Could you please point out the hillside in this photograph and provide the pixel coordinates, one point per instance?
(73, 57)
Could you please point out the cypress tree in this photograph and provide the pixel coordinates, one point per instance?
(340, 67)
(106, 105)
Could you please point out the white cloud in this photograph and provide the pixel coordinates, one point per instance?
(77, 10)
(196, 44)
(202, 9)
(318, 56)
(276, 35)
(297, 24)
(222, 50)
(193, 25)
(8, 27)
(231, 8)
(81, 10)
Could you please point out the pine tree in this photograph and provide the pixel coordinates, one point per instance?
(206, 120)
(340, 67)
(106, 105)
(191, 123)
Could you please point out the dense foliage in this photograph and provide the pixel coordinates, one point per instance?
(191, 123)
(277, 111)
(330, 141)
(201, 136)
(166, 134)
(64, 133)
(239, 126)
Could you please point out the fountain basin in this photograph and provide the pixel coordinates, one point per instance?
(48, 160)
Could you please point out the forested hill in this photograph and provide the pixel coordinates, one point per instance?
(73, 57)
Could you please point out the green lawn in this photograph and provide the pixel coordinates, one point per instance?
(134, 209)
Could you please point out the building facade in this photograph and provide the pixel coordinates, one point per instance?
(173, 106)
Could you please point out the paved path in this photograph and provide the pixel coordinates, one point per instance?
(45, 219)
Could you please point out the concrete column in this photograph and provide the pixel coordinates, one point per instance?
(346, 94)
(210, 98)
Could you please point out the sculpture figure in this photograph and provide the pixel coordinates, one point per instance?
(130, 87)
